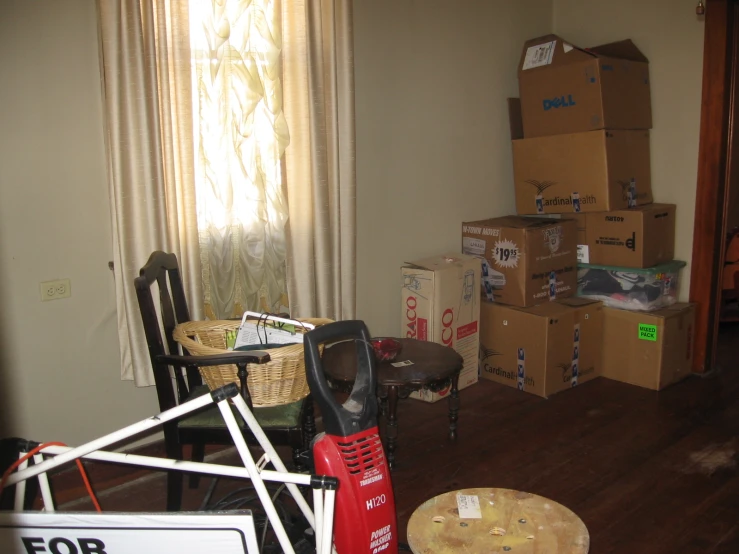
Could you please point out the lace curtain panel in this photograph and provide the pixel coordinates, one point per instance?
(240, 137)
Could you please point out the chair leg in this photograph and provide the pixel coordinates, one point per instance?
(309, 424)
(174, 478)
(297, 459)
(198, 455)
(308, 432)
(174, 491)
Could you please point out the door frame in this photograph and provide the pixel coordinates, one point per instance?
(716, 164)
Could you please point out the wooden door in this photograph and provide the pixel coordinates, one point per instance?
(718, 164)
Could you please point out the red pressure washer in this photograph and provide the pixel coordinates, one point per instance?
(350, 449)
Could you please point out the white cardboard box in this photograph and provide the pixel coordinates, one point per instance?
(441, 303)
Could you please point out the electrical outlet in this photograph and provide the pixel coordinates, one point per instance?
(55, 290)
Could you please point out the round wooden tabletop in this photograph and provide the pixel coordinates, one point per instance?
(509, 521)
(430, 362)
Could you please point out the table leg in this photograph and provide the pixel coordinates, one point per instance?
(392, 424)
(453, 406)
(383, 406)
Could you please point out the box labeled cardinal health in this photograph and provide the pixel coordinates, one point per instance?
(544, 349)
(440, 302)
(595, 171)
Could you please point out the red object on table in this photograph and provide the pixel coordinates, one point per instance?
(386, 349)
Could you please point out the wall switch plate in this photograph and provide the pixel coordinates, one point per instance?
(55, 290)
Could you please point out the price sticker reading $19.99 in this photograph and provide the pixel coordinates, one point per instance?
(505, 254)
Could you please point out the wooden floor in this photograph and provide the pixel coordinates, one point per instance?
(647, 472)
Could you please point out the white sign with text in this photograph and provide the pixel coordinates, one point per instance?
(127, 533)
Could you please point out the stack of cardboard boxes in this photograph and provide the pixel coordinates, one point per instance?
(534, 334)
(581, 150)
(582, 281)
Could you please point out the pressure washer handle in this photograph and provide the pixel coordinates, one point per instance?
(359, 412)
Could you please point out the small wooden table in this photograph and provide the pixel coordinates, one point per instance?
(434, 367)
(511, 521)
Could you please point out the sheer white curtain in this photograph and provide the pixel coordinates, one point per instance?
(197, 127)
(241, 135)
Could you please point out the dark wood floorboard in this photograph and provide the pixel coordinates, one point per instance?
(647, 472)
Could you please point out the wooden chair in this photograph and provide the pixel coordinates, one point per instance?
(291, 424)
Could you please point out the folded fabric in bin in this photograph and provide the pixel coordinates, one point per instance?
(646, 289)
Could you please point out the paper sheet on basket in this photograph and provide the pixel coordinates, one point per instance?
(252, 333)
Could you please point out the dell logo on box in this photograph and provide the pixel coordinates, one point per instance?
(559, 102)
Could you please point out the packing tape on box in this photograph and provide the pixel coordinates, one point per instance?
(552, 285)
(575, 354)
(521, 374)
(631, 194)
(486, 280)
(575, 196)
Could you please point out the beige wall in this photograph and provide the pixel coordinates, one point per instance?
(671, 36)
(59, 364)
(433, 146)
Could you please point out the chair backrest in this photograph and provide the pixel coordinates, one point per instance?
(162, 269)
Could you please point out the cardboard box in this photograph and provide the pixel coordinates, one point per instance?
(566, 89)
(581, 236)
(441, 303)
(639, 237)
(596, 171)
(542, 350)
(522, 257)
(582, 249)
(651, 350)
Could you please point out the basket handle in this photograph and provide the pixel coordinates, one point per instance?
(262, 316)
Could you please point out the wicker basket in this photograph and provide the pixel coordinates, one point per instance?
(280, 381)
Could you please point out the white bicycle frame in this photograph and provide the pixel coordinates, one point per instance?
(324, 487)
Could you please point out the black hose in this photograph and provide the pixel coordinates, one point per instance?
(266, 525)
(236, 500)
(209, 494)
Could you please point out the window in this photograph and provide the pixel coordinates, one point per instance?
(240, 134)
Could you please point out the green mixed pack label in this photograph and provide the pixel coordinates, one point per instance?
(647, 332)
